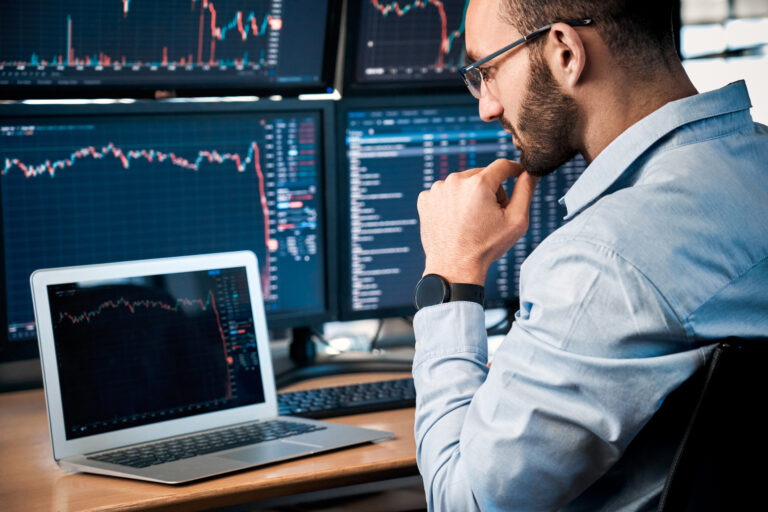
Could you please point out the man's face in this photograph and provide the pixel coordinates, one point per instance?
(521, 92)
(546, 123)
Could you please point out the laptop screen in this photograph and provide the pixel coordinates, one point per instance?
(142, 350)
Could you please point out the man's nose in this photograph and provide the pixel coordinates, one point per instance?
(490, 108)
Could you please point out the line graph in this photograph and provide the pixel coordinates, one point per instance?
(151, 155)
(446, 41)
(112, 39)
(95, 189)
(209, 303)
(413, 40)
(133, 305)
(136, 351)
(126, 156)
(247, 25)
(219, 33)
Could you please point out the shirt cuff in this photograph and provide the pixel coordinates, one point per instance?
(450, 328)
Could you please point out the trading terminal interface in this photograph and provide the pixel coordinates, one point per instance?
(412, 44)
(132, 45)
(190, 335)
(393, 153)
(85, 189)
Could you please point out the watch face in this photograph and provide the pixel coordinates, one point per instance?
(431, 290)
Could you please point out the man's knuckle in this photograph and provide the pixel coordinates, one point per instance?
(519, 222)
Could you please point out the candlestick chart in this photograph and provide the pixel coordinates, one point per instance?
(87, 190)
(204, 43)
(190, 335)
(410, 40)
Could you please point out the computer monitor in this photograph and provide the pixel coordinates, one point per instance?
(132, 48)
(392, 149)
(404, 46)
(104, 183)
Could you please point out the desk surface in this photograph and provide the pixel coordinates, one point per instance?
(31, 480)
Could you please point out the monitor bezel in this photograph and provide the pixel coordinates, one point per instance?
(344, 228)
(352, 87)
(325, 84)
(21, 350)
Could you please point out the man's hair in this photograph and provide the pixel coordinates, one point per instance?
(634, 30)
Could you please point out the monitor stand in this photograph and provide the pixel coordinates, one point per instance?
(309, 365)
(302, 350)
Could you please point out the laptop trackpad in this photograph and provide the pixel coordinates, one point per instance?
(270, 452)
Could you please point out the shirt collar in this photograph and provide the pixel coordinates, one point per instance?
(619, 155)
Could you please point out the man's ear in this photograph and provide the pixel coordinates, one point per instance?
(565, 55)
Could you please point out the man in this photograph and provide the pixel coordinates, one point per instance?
(665, 251)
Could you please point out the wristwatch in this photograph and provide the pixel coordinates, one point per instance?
(433, 289)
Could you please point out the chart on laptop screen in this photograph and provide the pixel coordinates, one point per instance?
(96, 189)
(140, 350)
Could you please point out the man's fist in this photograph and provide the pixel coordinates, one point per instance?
(468, 222)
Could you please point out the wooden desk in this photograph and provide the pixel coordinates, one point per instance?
(31, 480)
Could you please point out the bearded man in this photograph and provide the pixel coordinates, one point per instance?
(664, 252)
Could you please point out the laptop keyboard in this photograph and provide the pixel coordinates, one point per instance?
(351, 399)
(143, 456)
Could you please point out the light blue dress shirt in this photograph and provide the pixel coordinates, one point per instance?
(665, 251)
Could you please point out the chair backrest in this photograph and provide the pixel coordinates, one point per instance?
(722, 460)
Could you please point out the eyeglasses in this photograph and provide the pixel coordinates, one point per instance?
(473, 76)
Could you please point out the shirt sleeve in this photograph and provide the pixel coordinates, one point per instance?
(594, 350)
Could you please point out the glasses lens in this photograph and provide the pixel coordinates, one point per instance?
(474, 80)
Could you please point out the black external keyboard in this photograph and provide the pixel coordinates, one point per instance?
(344, 400)
(146, 455)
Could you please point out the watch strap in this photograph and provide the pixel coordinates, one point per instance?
(467, 292)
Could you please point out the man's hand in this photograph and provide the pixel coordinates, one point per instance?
(468, 222)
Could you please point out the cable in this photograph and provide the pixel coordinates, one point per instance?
(320, 337)
(502, 326)
(376, 335)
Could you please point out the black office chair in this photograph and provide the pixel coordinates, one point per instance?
(722, 461)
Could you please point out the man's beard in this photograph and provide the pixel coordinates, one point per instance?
(546, 123)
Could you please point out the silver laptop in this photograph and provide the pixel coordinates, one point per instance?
(160, 370)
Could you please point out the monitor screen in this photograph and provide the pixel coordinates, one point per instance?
(409, 46)
(89, 187)
(114, 340)
(395, 149)
(134, 47)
